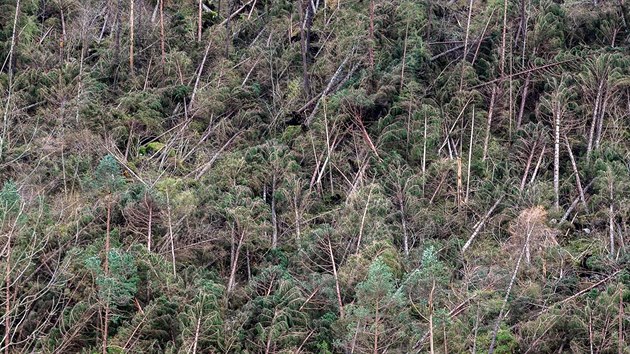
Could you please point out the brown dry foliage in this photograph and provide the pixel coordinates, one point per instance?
(530, 224)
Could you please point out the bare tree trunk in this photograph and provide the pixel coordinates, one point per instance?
(620, 316)
(577, 174)
(591, 136)
(521, 111)
(431, 345)
(611, 222)
(7, 303)
(234, 261)
(489, 123)
(365, 210)
(304, 42)
(7, 108)
(106, 324)
(590, 331)
(194, 348)
(461, 78)
(556, 160)
(371, 37)
(470, 147)
(131, 38)
(404, 59)
(460, 188)
(535, 173)
(527, 166)
(376, 320)
(480, 224)
(149, 223)
(274, 217)
(403, 221)
(228, 28)
(117, 36)
(170, 231)
(199, 21)
(162, 44)
(106, 271)
(503, 42)
(424, 154)
(600, 123)
(337, 287)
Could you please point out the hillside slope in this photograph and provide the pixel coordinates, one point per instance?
(341, 176)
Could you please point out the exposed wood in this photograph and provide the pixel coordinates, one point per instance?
(461, 78)
(574, 204)
(371, 37)
(199, 20)
(486, 140)
(337, 286)
(162, 40)
(521, 73)
(470, 149)
(7, 107)
(576, 172)
(131, 35)
(497, 324)
(480, 224)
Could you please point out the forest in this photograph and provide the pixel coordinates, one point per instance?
(315, 176)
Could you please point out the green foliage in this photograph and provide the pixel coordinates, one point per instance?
(300, 179)
(108, 177)
(120, 285)
(9, 199)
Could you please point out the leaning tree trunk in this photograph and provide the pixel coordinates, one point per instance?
(556, 160)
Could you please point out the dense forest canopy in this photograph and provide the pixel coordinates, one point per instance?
(314, 176)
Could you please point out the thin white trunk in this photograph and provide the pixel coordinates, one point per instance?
(527, 166)
(365, 210)
(556, 160)
(470, 145)
(337, 287)
(131, 20)
(611, 222)
(404, 226)
(577, 174)
(199, 20)
(591, 135)
(7, 108)
(194, 348)
(535, 173)
(170, 232)
(600, 123)
(480, 224)
(274, 217)
(521, 111)
(431, 344)
(461, 79)
(489, 123)
(234, 265)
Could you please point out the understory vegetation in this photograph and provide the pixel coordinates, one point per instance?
(314, 176)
